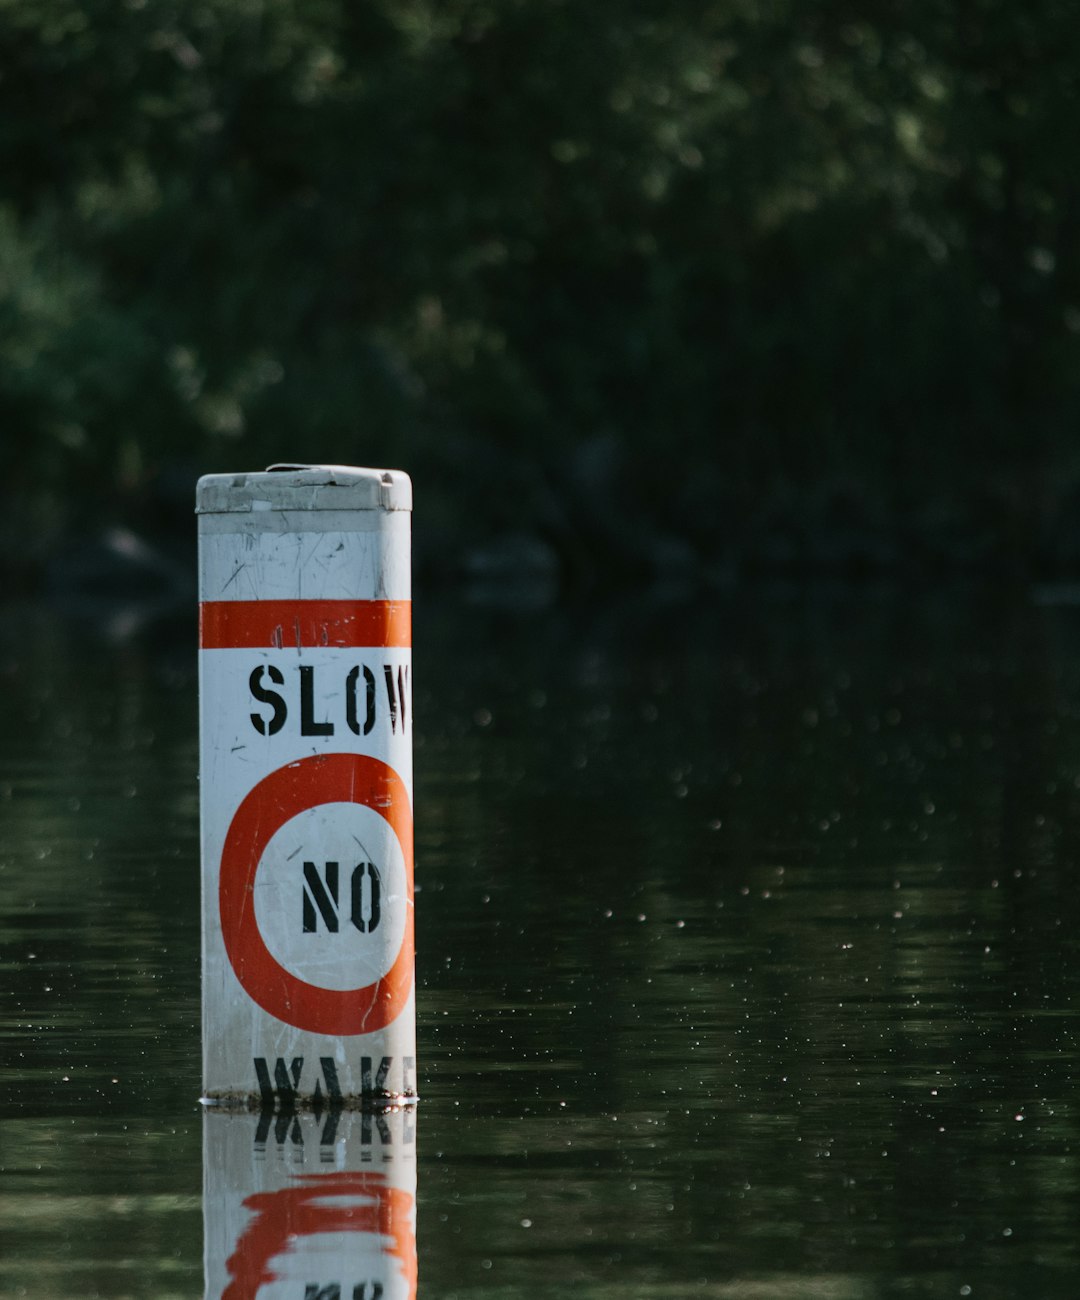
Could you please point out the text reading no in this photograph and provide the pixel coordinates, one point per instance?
(321, 899)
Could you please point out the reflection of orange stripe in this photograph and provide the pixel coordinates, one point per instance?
(296, 624)
(348, 1202)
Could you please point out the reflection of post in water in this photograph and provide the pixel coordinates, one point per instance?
(310, 1206)
(283, 1128)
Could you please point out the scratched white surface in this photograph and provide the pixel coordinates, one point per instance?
(360, 555)
(281, 555)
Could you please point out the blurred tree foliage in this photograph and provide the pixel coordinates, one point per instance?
(731, 282)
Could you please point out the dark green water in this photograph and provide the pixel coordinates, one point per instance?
(747, 951)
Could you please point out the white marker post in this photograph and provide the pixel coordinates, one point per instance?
(306, 775)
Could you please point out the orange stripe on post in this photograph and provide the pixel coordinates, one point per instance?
(300, 624)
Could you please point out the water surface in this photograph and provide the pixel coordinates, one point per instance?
(746, 949)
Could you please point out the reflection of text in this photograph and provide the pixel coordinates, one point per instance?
(361, 1291)
(287, 1127)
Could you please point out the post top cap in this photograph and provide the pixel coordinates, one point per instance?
(304, 487)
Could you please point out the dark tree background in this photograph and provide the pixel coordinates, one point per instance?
(707, 285)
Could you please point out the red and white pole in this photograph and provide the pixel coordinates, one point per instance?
(306, 786)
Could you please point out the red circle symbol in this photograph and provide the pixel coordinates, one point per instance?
(293, 789)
